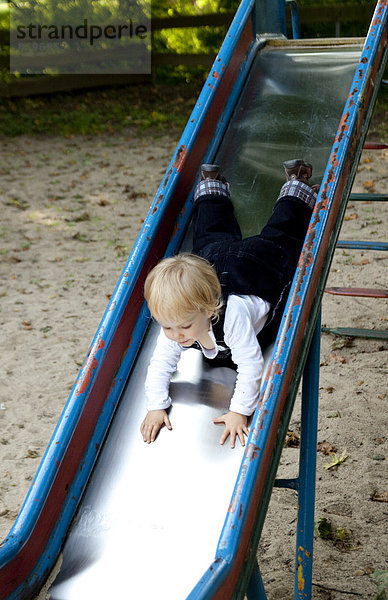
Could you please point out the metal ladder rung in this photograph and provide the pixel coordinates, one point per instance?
(359, 292)
(360, 245)
(377, 334)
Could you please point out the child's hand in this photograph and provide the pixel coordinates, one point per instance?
(155, 419)
(235, 425)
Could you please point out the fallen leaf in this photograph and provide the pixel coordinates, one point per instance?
(78, 218)
(17, 203)
(292, 439)
(381, 579)
(334, 415)
(378, 457)
(326, 447)
(380, 440)
(32, 453)
(323, 528)
(337, 358)
(11, 259)
(27, 325)
(335, 460)
(45, 329)
(369, 184)
(351, 217)
(376, 497)
(342, 534)
(341, 342)
(359, 263)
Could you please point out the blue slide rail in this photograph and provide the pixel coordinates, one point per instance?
(29, 551)
(230, 573)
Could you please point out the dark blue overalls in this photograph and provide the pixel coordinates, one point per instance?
(262, 265)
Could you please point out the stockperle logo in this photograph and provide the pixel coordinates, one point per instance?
(65, 40)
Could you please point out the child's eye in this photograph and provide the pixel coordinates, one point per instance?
(186, 326)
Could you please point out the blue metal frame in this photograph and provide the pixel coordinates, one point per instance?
(35, 500)
(361, 245)
(294, 18)
(316, 255)
(271, 17)
(307, 468)
(374, 197)
(304, 484)
(255, 589)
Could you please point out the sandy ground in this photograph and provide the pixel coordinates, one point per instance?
(71, 210)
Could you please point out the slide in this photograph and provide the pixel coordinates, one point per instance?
(109, 516)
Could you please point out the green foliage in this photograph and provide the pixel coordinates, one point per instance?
(323, 528)
(333, 2)
(141, 109)
(340, 537)
(74, 11)
(190, 40)
(170, 8)
(381, 579)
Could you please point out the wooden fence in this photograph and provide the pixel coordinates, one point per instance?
(308, 15)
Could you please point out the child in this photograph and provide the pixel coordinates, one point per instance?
(226, 298)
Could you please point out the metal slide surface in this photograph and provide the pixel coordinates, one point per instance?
(150, 520)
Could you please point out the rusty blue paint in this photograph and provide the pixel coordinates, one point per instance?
(307, 467)
(324, 223)
(292, 4)
(23, 528)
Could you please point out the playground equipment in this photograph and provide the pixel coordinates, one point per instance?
(362, 245)
(183, 517)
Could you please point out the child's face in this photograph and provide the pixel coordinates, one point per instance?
(193, 327)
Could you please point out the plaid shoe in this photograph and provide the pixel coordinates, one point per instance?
(298, 169)
(210, 172)
(299, 189)
(211, 187)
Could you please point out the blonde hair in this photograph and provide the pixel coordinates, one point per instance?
(181, 285)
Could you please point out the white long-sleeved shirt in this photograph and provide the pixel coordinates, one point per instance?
(245, 317)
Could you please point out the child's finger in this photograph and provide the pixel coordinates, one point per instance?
(154, 432)
(232, 439)
(241, 438)
(167, 422)
(224, 436)
(218, 420)
(148, 433)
